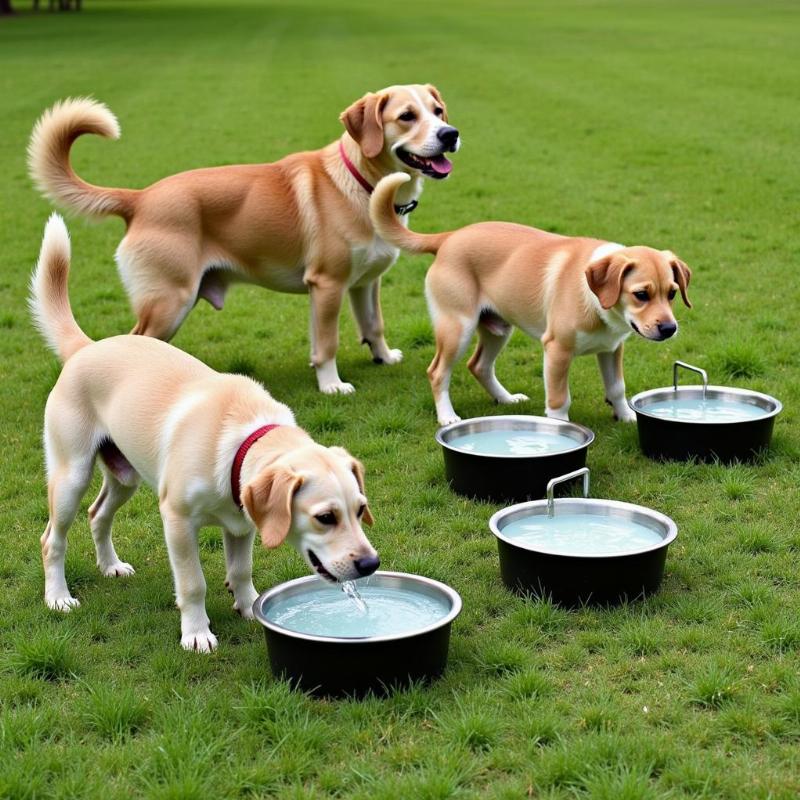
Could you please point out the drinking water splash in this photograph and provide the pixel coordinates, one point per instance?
(349, 588)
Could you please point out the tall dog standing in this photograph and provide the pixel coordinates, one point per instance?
(577, 295)
(218, 450)
(298, 225)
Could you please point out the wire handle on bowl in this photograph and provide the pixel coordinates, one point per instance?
(701, 372)
(551, 503)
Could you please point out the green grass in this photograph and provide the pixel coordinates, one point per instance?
(668, 123)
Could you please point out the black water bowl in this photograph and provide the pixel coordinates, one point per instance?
(509, 477)
(601, 577)
(740, 431)
(330, 665)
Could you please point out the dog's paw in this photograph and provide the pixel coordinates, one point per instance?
(449, 420)
(200, 642)
(243, 606)
(623, 412)
(392, 357)
(557, 413)
(340, 387)
(245, 611)
(513, 399)
(119, 569)
(64, 603)
(625, 415)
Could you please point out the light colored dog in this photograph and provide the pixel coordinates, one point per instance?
(218, 450)
(298, 225)
(577, 295)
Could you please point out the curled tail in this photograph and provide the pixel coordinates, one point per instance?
(389, 227)
(49, 299)
(48, 158)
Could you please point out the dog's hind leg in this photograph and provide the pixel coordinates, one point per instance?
(113, 495)
(162, 283)
(452, 337)
(239, 571)
(161, 314)
(366, 304)
(493, 334)
(68, 480)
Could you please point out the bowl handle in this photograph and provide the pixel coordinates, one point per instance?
(551, 503)
(701, 372)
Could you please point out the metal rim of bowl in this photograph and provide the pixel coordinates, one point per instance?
(733, 393)
(629, 511)
(540, 421)
(451, 594)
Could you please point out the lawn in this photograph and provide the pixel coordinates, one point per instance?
(673, 124)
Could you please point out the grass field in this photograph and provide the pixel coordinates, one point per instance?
(668, 123)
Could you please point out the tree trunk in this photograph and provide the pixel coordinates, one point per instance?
(5, 7)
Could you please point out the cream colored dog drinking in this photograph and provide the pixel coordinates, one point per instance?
(217, 449)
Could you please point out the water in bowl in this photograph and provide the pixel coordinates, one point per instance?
(513, 442)
(581, 534)
(709, 410)
(325, 611)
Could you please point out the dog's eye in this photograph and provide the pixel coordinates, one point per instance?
(328, 518)
(438, 111)
(361, 509)
(407, 116)
(642, 295)
(671, 294)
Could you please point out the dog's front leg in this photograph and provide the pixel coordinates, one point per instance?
(190, 585)
(557, 360)
(366, 304)
(326, 302)
(611, 370)
(239, 572)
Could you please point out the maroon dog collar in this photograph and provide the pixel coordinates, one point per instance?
(238, 459)
(402, 210)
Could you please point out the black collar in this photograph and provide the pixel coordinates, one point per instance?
(407, 208)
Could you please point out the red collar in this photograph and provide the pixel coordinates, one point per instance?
(238, 459)
(407, 208)
(353, 170)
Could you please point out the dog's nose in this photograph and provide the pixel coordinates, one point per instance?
(366, 566)
(666, 329)
(448, 136)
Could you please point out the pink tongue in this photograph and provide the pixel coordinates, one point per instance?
(441, 165)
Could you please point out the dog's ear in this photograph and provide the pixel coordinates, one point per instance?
(682, 275)
(605, 278)
(268, 502)
(357, 469)
(437, 96)
(364, 122)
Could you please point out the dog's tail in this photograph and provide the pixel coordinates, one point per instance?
(49, 299)
(389, 227)
(48, 158)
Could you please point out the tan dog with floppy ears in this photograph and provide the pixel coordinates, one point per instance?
(578, 295)
(298, 225)
(217, 449)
